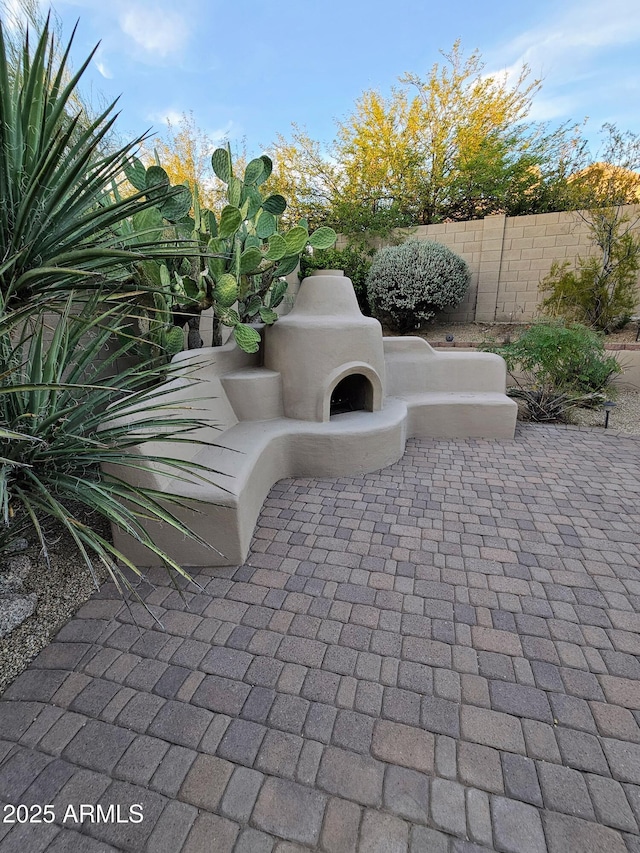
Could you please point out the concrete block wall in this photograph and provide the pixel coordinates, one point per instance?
(508, 257)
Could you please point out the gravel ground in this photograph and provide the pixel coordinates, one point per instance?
(62, 587)
(624, 418)
(467, 332)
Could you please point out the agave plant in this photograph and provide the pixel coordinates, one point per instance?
(64, 420)
(58, 215)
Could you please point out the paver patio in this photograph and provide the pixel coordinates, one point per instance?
(441, 656)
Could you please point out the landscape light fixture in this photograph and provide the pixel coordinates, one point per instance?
(608, 406)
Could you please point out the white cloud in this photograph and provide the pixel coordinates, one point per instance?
(169, 116)
(14, 14)
(156, 31)
(102, 66)
(564, 51)
(228, 131)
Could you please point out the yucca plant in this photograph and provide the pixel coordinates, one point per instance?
(64, 264)
(58, 214)
(63, 419)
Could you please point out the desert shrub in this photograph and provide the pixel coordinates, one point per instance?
(355, 262)
(562, 367)
(600, 291)
(408, 284)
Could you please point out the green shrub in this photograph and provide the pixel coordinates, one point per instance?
(408, 284)
(562, 367)
(355, 262)
(600, 291)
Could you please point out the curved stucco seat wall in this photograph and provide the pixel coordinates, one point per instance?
(272, 421)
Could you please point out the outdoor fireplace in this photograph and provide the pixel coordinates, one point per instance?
(330, 357)
(332, 398)
(354, 393)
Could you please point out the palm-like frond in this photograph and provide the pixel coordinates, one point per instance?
(64, 419)
(59, 218)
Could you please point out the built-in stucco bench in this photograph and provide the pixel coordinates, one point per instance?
(275, 420)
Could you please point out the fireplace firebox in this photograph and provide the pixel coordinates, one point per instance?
(354, 393)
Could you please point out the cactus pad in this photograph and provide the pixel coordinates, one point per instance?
(323, 238)
(254, 170)
(277, 248)
(250, 259)
(266, 225)
(246, 338)
(174, 340)
(221, 163)
(136, 173)
(296, 239)
(230, 221)
(226, 290)
(275, 204)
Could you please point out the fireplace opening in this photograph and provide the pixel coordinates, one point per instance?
(354, 393)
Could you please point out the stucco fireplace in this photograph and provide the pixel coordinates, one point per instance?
(327, 396)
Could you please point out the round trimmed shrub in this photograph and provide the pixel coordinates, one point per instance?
(408, 284)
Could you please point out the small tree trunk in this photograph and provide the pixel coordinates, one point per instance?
(216, 335)
(194, 339)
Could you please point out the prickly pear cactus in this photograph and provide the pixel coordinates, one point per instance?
(257, 256)
(235, 262)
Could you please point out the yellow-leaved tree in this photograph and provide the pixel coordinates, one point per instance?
(446, 146)
(184, 152)
(453, 145)
(305, 175)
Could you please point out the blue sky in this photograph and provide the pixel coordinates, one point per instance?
(248, 70)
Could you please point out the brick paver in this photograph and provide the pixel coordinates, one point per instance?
(443, 656)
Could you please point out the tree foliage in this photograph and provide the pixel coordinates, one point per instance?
(304, 173)
(608, 177)
(355, 261)
(453, 145)
(185, 154)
